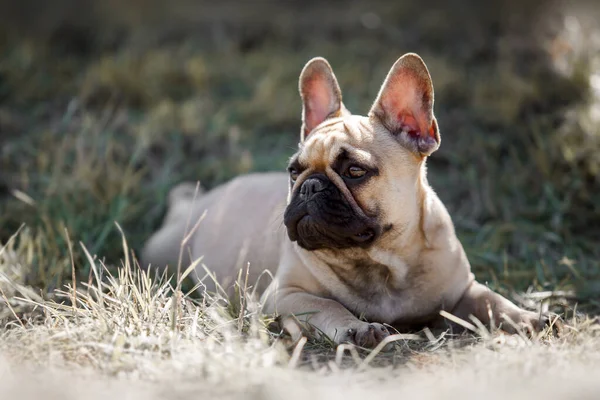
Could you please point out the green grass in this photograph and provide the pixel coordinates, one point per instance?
(98, 124)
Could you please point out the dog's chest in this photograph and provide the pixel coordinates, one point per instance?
(384, 293)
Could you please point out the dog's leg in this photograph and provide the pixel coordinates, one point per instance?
(301, 311)
(490, 307)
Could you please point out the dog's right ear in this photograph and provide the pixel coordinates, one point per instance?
(321, 95)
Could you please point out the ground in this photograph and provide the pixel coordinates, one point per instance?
(104, 108)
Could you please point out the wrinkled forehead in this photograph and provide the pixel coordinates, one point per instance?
(350, 134)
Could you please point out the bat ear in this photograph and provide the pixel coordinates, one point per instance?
(321, 95)
(405, 105)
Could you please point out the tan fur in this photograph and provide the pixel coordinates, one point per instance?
(229, 236)
(410, 273)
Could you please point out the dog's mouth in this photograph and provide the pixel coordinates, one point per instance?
(365, 236)
(312, 234)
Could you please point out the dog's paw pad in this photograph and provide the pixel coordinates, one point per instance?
(367, 335)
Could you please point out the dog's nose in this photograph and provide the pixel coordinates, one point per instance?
(311, 186)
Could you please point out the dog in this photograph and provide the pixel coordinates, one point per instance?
(357, 240)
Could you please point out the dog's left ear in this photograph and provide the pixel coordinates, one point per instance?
(405, 105)
(321, 95)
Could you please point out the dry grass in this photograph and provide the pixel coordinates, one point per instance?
(132, 336)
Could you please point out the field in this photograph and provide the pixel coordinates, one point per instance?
(105, 106)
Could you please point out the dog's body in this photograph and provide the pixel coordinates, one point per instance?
(366, 235)
(225, 245)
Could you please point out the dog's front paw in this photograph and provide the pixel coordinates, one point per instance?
(541, 322)
(363, 334)
(532, 322)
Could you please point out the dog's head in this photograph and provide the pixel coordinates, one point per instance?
(356, 180)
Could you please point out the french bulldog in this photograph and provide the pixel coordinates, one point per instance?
(357, 240)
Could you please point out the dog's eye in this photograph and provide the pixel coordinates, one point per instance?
(294, 174)
(355, 172)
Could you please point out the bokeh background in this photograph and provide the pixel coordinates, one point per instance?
(106, 104)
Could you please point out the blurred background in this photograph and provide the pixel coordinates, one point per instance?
(106, 104)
